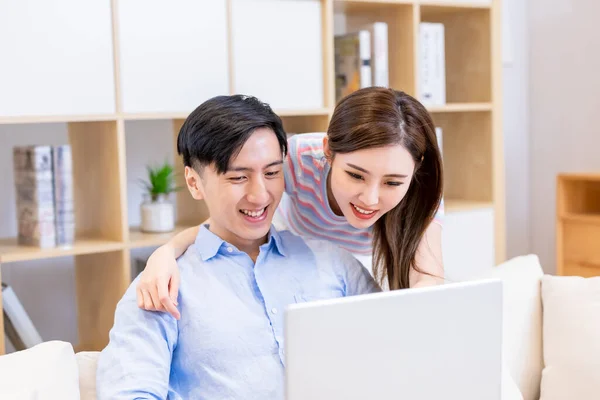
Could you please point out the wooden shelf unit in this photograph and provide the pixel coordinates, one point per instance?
(472, 123)
(578, 225)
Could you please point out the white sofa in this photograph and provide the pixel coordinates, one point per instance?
(571, 345)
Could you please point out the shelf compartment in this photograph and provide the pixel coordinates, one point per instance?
(467, 155)
(579, 195)
(468, 51)
(401, 18)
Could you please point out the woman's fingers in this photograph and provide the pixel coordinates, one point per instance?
(159, 296)
(166, 302)
(148, 304)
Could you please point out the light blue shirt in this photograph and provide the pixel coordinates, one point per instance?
(228, 343)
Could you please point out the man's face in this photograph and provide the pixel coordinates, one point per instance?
(242, 201)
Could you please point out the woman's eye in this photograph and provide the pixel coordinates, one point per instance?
(354, 176)
(272, 174)
(395, 183)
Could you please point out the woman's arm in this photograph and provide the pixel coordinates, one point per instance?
(158, 286)
(429, 259)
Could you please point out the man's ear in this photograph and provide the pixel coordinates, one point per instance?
(194, 183)
(326, 149)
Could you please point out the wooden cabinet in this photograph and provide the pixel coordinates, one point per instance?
(578, 225)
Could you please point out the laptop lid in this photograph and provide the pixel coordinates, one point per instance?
(442, 342)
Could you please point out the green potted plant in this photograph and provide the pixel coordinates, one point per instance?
(158, 213)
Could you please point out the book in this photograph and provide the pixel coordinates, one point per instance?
(379, 54)
(64, 205)
(352, 62)
(34, 195)
(19, 328)
(432, 64)
(439, 134)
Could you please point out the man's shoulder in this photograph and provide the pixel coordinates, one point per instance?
(189, 258)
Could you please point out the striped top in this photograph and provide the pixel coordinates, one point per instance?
(304, 208)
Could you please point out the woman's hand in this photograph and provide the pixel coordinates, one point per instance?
(158, 286)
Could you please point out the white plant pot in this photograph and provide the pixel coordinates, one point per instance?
(157, 216)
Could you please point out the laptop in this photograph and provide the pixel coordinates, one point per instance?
(442, 342)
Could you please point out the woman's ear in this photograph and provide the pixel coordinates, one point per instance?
(194, 183)
(326, 149)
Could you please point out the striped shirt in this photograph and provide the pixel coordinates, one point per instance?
(304, 208)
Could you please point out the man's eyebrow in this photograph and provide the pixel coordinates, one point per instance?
(246, 169)
(274, 163)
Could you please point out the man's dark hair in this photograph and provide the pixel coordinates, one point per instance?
(217, 130)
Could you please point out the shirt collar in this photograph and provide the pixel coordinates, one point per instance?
(277, 242)
(208, 244)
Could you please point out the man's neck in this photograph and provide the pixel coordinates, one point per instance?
(250, 247)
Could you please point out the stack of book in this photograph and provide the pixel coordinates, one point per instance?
(361, 59)
(44, 195)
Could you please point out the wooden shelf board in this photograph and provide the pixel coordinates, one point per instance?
(184, 115)
(138, 239)
(580, 176)
(303, 113)
(58, 119)
(375, 2)
(10, 251)
(455, 6)
(427, 4)
(154, 116)
(456, 205)
(360, 6)
(584, 262)
(461, 107)
(592, 218)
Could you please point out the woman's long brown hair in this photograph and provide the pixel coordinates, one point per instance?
(378, 117)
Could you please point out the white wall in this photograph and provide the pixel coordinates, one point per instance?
(516, 126)
(564, 82)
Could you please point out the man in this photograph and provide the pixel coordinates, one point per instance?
(236, 280)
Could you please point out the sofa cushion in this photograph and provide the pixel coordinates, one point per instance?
(45, 371)
(571, 338)
(522, 321)
(87, 362)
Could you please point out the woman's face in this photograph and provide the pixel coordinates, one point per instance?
(368, 183)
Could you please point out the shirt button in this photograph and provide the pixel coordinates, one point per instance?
(229, 249)
(274, 310)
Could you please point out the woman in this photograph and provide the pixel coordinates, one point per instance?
(372, 185)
